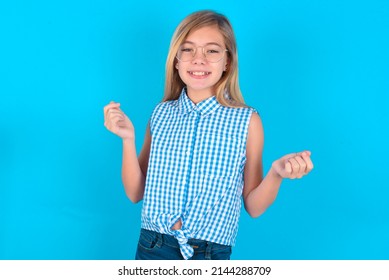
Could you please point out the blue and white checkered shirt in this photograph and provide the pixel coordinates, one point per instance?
(195, 171)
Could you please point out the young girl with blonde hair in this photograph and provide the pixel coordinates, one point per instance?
(202, 151)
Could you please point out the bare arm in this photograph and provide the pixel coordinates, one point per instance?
(134, 168)
(259, 193)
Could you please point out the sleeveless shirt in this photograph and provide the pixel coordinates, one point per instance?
(195, 170)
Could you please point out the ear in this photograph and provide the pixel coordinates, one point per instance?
(177, 65)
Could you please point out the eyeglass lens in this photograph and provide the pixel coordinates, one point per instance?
(211, 52)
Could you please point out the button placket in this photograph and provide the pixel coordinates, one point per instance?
(190, 153)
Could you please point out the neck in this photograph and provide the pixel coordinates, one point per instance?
(197, 95)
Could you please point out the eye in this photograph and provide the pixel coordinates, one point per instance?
(213, 50)
(187, 50)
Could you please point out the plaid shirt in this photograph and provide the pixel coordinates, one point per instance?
(195, 171)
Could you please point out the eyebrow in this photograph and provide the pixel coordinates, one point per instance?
(209, 43)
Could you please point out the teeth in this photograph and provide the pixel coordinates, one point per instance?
(199, 73)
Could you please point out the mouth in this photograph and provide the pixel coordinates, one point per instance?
(199, 74)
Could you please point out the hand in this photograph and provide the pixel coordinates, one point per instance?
(117, 122)
(294, 165)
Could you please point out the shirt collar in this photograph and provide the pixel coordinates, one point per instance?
(205, 107)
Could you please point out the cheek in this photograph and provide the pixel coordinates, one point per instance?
(180, 72)
(222, 66)
(219, 71)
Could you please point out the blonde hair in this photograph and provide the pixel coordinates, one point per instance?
(227, 89)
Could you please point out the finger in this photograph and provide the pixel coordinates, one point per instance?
(295, 167)
(302, 166)
(121, 124)
(114, 128)
(115, 124)
(114, 121)
(116, 118)
(308, 153)
(288, 168)
(110, 106)
(109, 109)
(308, 162)
(113, 112)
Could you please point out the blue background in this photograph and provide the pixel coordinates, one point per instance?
(317, 71)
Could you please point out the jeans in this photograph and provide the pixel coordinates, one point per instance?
(157, 246)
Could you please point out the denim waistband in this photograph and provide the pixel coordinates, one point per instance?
(171, 241)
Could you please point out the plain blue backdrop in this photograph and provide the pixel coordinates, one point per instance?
(317, 71)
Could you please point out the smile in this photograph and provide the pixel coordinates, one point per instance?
(199, 73)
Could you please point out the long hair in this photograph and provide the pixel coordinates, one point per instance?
(227, 89)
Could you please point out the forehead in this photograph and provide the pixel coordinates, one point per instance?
(205, 35)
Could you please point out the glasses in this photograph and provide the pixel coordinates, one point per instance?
(211, 52)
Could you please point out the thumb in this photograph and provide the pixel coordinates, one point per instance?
(113, 102)
(308, 153)
(291, 155)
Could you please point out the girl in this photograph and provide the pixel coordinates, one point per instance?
(202, 150)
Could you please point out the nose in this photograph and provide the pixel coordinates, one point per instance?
(199, 56)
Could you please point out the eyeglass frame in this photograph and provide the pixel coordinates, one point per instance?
(203, 51)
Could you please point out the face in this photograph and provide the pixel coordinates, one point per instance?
(198, 73)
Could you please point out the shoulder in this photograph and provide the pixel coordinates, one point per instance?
(241, 114)
(253, 118)
(255, 121)
(244, 121)
(255, 137)
(244, 115)
(241, 109)
(161, 111)
(164, 107)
